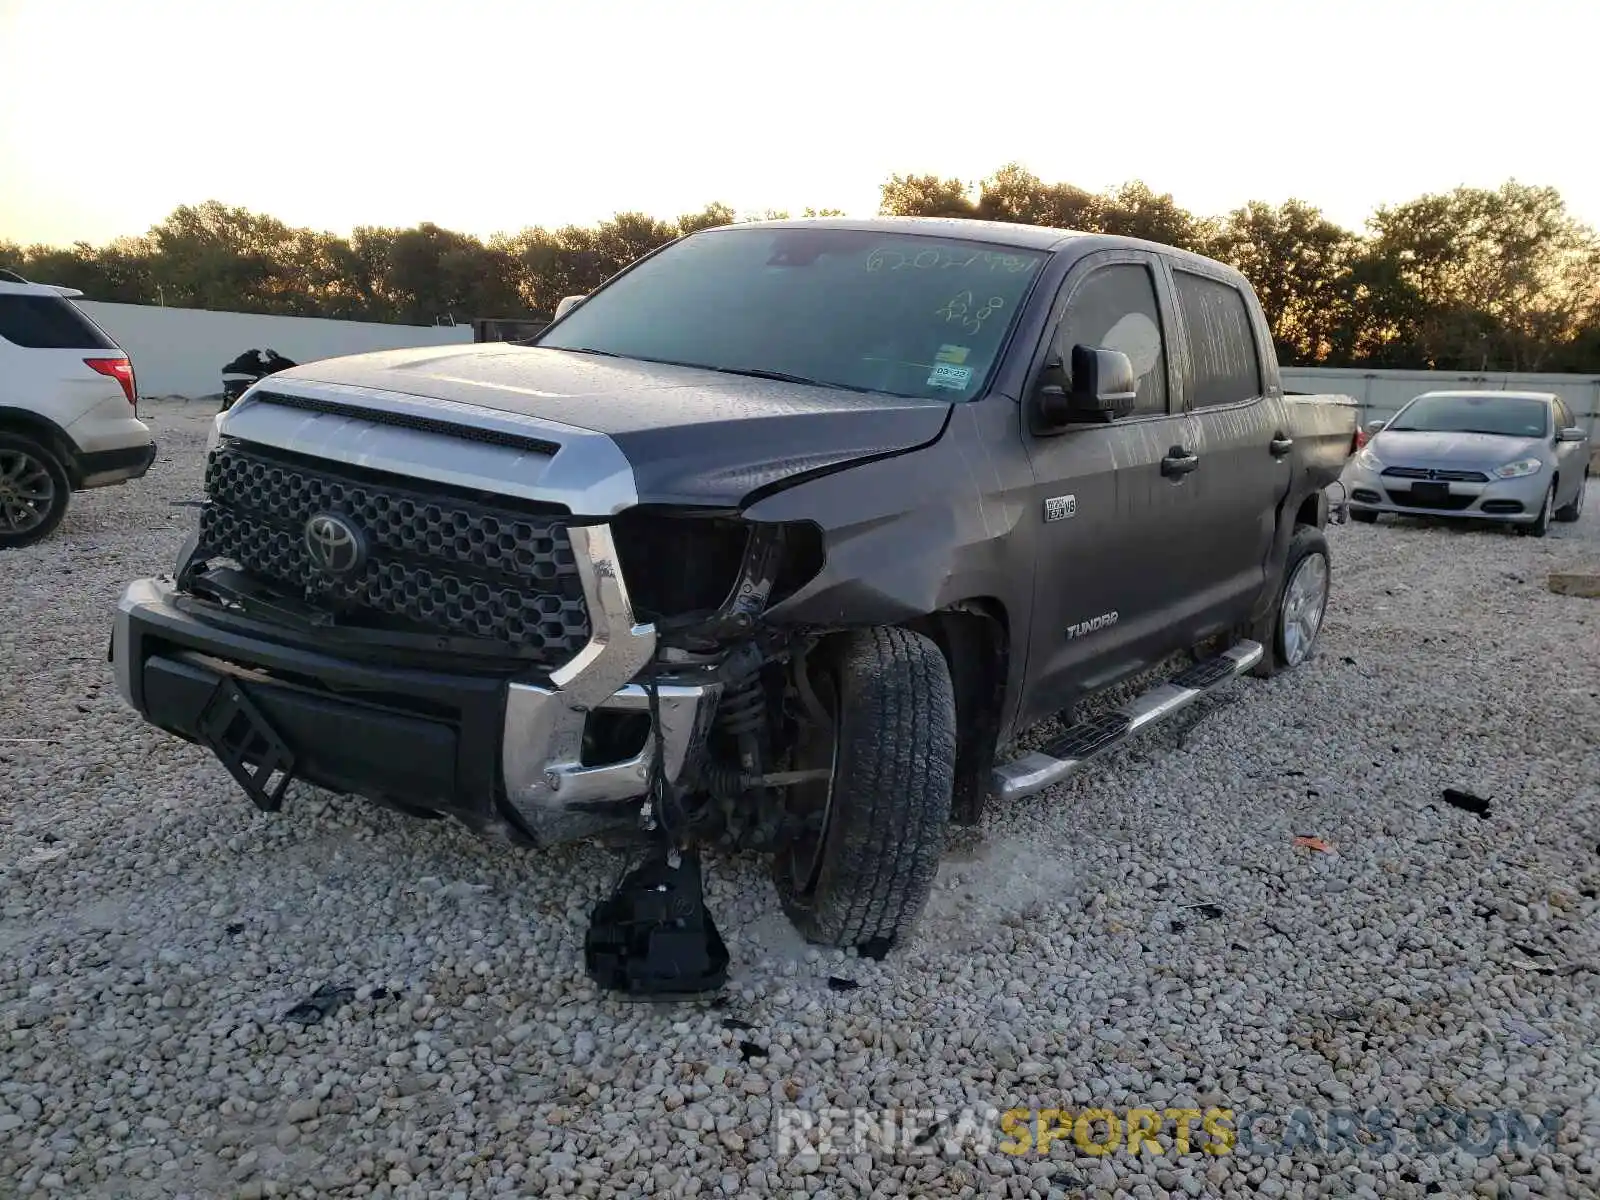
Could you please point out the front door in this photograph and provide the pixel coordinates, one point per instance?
(1113, 516)
(1572, 458)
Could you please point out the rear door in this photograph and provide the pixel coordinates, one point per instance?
(1111, 521)
(44, 342)
(1235, 410)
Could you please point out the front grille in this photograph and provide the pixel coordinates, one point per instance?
(1441, 475)
(438, 561)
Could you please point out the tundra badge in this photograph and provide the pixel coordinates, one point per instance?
(1059, 508)
(1092, 625)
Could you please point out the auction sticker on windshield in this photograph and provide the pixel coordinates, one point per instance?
(948, 375)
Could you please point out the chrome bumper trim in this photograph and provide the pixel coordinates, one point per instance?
(552, 792)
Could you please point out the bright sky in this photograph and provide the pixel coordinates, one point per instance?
(488, 115)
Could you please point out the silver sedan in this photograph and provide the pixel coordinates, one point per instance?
(1514, 457)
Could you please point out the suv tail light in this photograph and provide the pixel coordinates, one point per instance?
(120, 369)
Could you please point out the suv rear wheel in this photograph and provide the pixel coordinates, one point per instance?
(861, 868)
(34, 491)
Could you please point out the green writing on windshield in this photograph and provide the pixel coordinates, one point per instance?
(944, 258)
(970, 313)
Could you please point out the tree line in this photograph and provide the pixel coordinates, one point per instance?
(1474, 279)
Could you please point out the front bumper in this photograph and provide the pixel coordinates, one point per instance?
(1515, 501)
(501, 754)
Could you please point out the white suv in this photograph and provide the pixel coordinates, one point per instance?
(68, 409)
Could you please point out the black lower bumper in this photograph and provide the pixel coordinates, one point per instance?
(414, 739)
(105, 467)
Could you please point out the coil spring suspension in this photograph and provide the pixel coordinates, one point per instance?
(743, 711)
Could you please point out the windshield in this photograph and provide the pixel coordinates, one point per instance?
(1504, 416)
(900, 313)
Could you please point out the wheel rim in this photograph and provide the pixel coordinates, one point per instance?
(1304, 601)
(812, 803)
(27, 492)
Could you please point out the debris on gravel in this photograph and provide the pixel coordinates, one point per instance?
(156, 930)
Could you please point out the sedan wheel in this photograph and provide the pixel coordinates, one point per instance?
(1573, 511)
(1541, 526)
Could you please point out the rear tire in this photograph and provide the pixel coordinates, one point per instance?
(34, 491)
(1290, 632)
(864, 877)
(1571, 512)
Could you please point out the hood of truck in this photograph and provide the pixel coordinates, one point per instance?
(692, 436)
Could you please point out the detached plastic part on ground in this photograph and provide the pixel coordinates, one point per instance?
(652, 937)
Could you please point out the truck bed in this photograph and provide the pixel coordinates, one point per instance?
(1324, 428)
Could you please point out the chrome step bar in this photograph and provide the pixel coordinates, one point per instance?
(1040, 769)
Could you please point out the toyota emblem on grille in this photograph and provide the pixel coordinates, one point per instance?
(334, 545)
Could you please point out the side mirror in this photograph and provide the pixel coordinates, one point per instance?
(1103, 388)
(1574, 434)
(567, 303)
(1375, 427)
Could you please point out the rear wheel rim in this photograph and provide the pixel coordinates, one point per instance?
(1305, 599)
(27, 492)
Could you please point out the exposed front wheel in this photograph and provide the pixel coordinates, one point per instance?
(34, 490)
(1571, 512)
(1541, 524)
(860, 864)
(1291, 629)
(1363, 517)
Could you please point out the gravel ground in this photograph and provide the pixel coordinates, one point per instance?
(156, 929)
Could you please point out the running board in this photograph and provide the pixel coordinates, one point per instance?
(1040, 769)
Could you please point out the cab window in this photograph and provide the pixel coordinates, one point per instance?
(1224, 361)
(1115, 308)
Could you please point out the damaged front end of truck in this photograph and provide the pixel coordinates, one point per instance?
(536, 673)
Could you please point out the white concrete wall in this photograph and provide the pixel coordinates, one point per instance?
(181, 351)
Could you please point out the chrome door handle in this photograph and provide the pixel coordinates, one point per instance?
(1179, 462)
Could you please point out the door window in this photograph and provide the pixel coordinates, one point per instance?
(1115, 308)
(1224, 364)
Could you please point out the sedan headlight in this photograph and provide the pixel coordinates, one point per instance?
(1368, 461)
(1520, 468)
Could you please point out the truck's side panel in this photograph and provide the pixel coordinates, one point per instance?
(1101, 495)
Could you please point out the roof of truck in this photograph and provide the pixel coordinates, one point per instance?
(1000, 233)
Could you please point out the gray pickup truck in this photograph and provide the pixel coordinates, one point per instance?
(776, 540)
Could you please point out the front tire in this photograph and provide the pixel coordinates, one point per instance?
(1363, 517)
(862, 873)
(1541, 524)
(34, 491)
(1291, 629)
(1571, 512)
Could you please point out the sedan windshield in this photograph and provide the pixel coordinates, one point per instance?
(1504, 416)
(858, 309)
